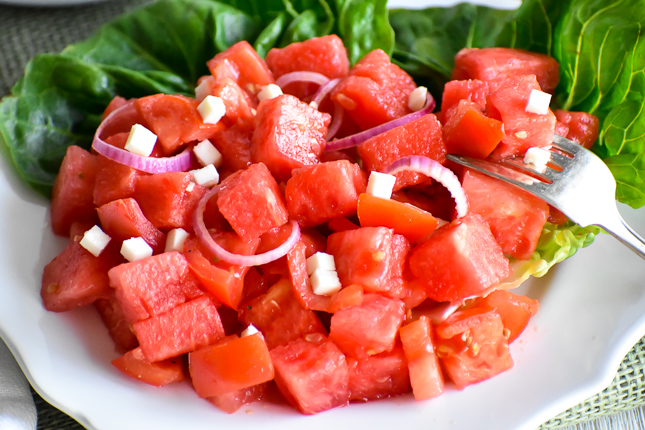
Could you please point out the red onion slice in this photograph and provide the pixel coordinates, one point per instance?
(313, 77)
(177, 163)
(237, 259)
(323, 91)
(436, 171)
(358, 138)
(336, 121)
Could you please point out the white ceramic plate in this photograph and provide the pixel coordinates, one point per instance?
(592, 311)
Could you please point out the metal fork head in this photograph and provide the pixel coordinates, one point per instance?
(576, 181)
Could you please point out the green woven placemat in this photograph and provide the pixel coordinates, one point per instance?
(25, 32)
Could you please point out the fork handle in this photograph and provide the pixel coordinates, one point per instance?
(625, 234)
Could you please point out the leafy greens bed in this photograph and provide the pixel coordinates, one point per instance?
(164, 47)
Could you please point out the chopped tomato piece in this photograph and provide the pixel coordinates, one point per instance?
(160, 373)
(514, 309)
(232, 401)
(378, 376)
(425, 373)
(582, 127)
(469, 132)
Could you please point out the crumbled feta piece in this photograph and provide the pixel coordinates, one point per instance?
(141, 141)
(537, 158)
(521, 134)
(212, 109)
(417, 99)
(320, 261)
(270, 91)
(206, 154)
(204, 88)
(175, 240)
(325, 282)
(207, 176)
(135, 249)
(380, 184)
(538, 102)
(190, 187)
(95, 240)
(248, 331)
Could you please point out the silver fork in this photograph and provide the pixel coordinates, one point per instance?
(576, 181)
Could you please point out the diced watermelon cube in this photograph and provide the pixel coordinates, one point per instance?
(582, 127)
(288, 134)
(491, 64)
(161, 197)
(375, 91)
(252, 202)
(459, 260)
(316, 194)
(241, 63)
(123, 219)
(113, 180)
(515, 217)
(154, 285)
(231, 402)
(369, 328)
(419, 137)
(72, 193)
(118, 327)
(370, 256)
(184, 328)
(312, 374)
(378, 376)
(472, 90)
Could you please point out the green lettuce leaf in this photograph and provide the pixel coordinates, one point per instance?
(162, 47)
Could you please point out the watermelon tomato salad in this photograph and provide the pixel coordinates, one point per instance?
(296, 228)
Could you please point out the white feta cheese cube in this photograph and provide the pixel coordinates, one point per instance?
(206, 154)
(204, 88)
(175, 240)
(325, 282)
(212, 109)
(270, 91)
(537, 158)
(248, 331)
(207, 176)
(380, 184)
(190, 187)
(320, 261)
(538, 102)
(141, 141)
(417, 99)
(135, 249)
(95, 240)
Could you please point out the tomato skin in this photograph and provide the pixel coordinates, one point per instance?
(312, 374)
(232, 401)
(477, 262)
(134, 364)
(582, 127)
(369, 328)
(378, 376)
(425, 372)
(469, 132)
(230, 366)
(471, 346)
(514, 309)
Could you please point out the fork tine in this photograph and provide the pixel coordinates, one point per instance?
(566, 145)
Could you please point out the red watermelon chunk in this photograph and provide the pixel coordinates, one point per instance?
(472, 90)
(582, 127)
(231, 402)
(154, 285)
(123, 219)
(522, 129)
(375, 91)
(312, 374)
(515, 217)
(369, 328)
(162, 199)
(118, 327)
(77, 278)
(181, 329)
(242, 64)
(252, 202)
(370, 256)
(113, 181)
(459, 260)
(239, 105)
(72, 194)
(325, 55)
(378, 376)
(490, 64)
(316, 194)
(279, 316)
(174, 119)
(288, 134)
(418, 137)
(234, 143)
